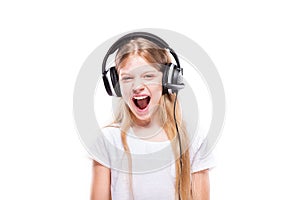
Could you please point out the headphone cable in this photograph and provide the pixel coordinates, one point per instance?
(179, 142)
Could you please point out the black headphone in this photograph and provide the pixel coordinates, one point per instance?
(172, 80)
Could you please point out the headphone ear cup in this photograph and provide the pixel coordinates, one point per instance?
(172, 79)
(115, 81)
(165, 79)
(106, 84)
(177, 77)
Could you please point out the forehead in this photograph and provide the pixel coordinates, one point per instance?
(135, 63)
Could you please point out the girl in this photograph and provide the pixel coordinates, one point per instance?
(128, 156)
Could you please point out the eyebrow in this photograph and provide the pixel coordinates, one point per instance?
(128, 73)
(124, 73)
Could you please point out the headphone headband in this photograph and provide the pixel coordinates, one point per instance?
(126, 38)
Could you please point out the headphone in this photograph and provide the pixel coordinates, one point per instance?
(172, 80)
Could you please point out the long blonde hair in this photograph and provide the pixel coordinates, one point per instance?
(152, 53)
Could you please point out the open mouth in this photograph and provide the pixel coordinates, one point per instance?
(141, 101)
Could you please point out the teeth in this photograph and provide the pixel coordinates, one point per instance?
(141, 97)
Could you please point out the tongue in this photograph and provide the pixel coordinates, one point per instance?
(142, 103)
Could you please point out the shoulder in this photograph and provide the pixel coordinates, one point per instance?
(196, 140)
(200, 161)
(111, 133)
(107, 143)
(110, 129)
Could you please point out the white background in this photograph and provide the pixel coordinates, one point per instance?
(254, 45)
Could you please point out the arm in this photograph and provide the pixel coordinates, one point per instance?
(200, 185)
(100, 182)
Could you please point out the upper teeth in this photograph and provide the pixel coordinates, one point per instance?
(139, 98)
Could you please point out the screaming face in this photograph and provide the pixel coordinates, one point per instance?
(141, 88)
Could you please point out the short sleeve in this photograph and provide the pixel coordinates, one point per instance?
(99, 150)
(198, 161)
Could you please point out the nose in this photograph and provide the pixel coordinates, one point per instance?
(138, 86)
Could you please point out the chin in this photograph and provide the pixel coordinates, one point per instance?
(143, 116)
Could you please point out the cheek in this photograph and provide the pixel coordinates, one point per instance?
(126, 92)
(124, 89)
(156, 87)
(156, 91)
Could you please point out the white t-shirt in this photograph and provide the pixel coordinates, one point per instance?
(153, 164)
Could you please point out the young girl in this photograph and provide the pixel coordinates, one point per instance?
(146, 152)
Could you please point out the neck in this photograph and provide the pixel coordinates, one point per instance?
(151, 130)
(152, 122)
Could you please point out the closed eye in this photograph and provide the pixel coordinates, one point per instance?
(126, 78)
(149, 76)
